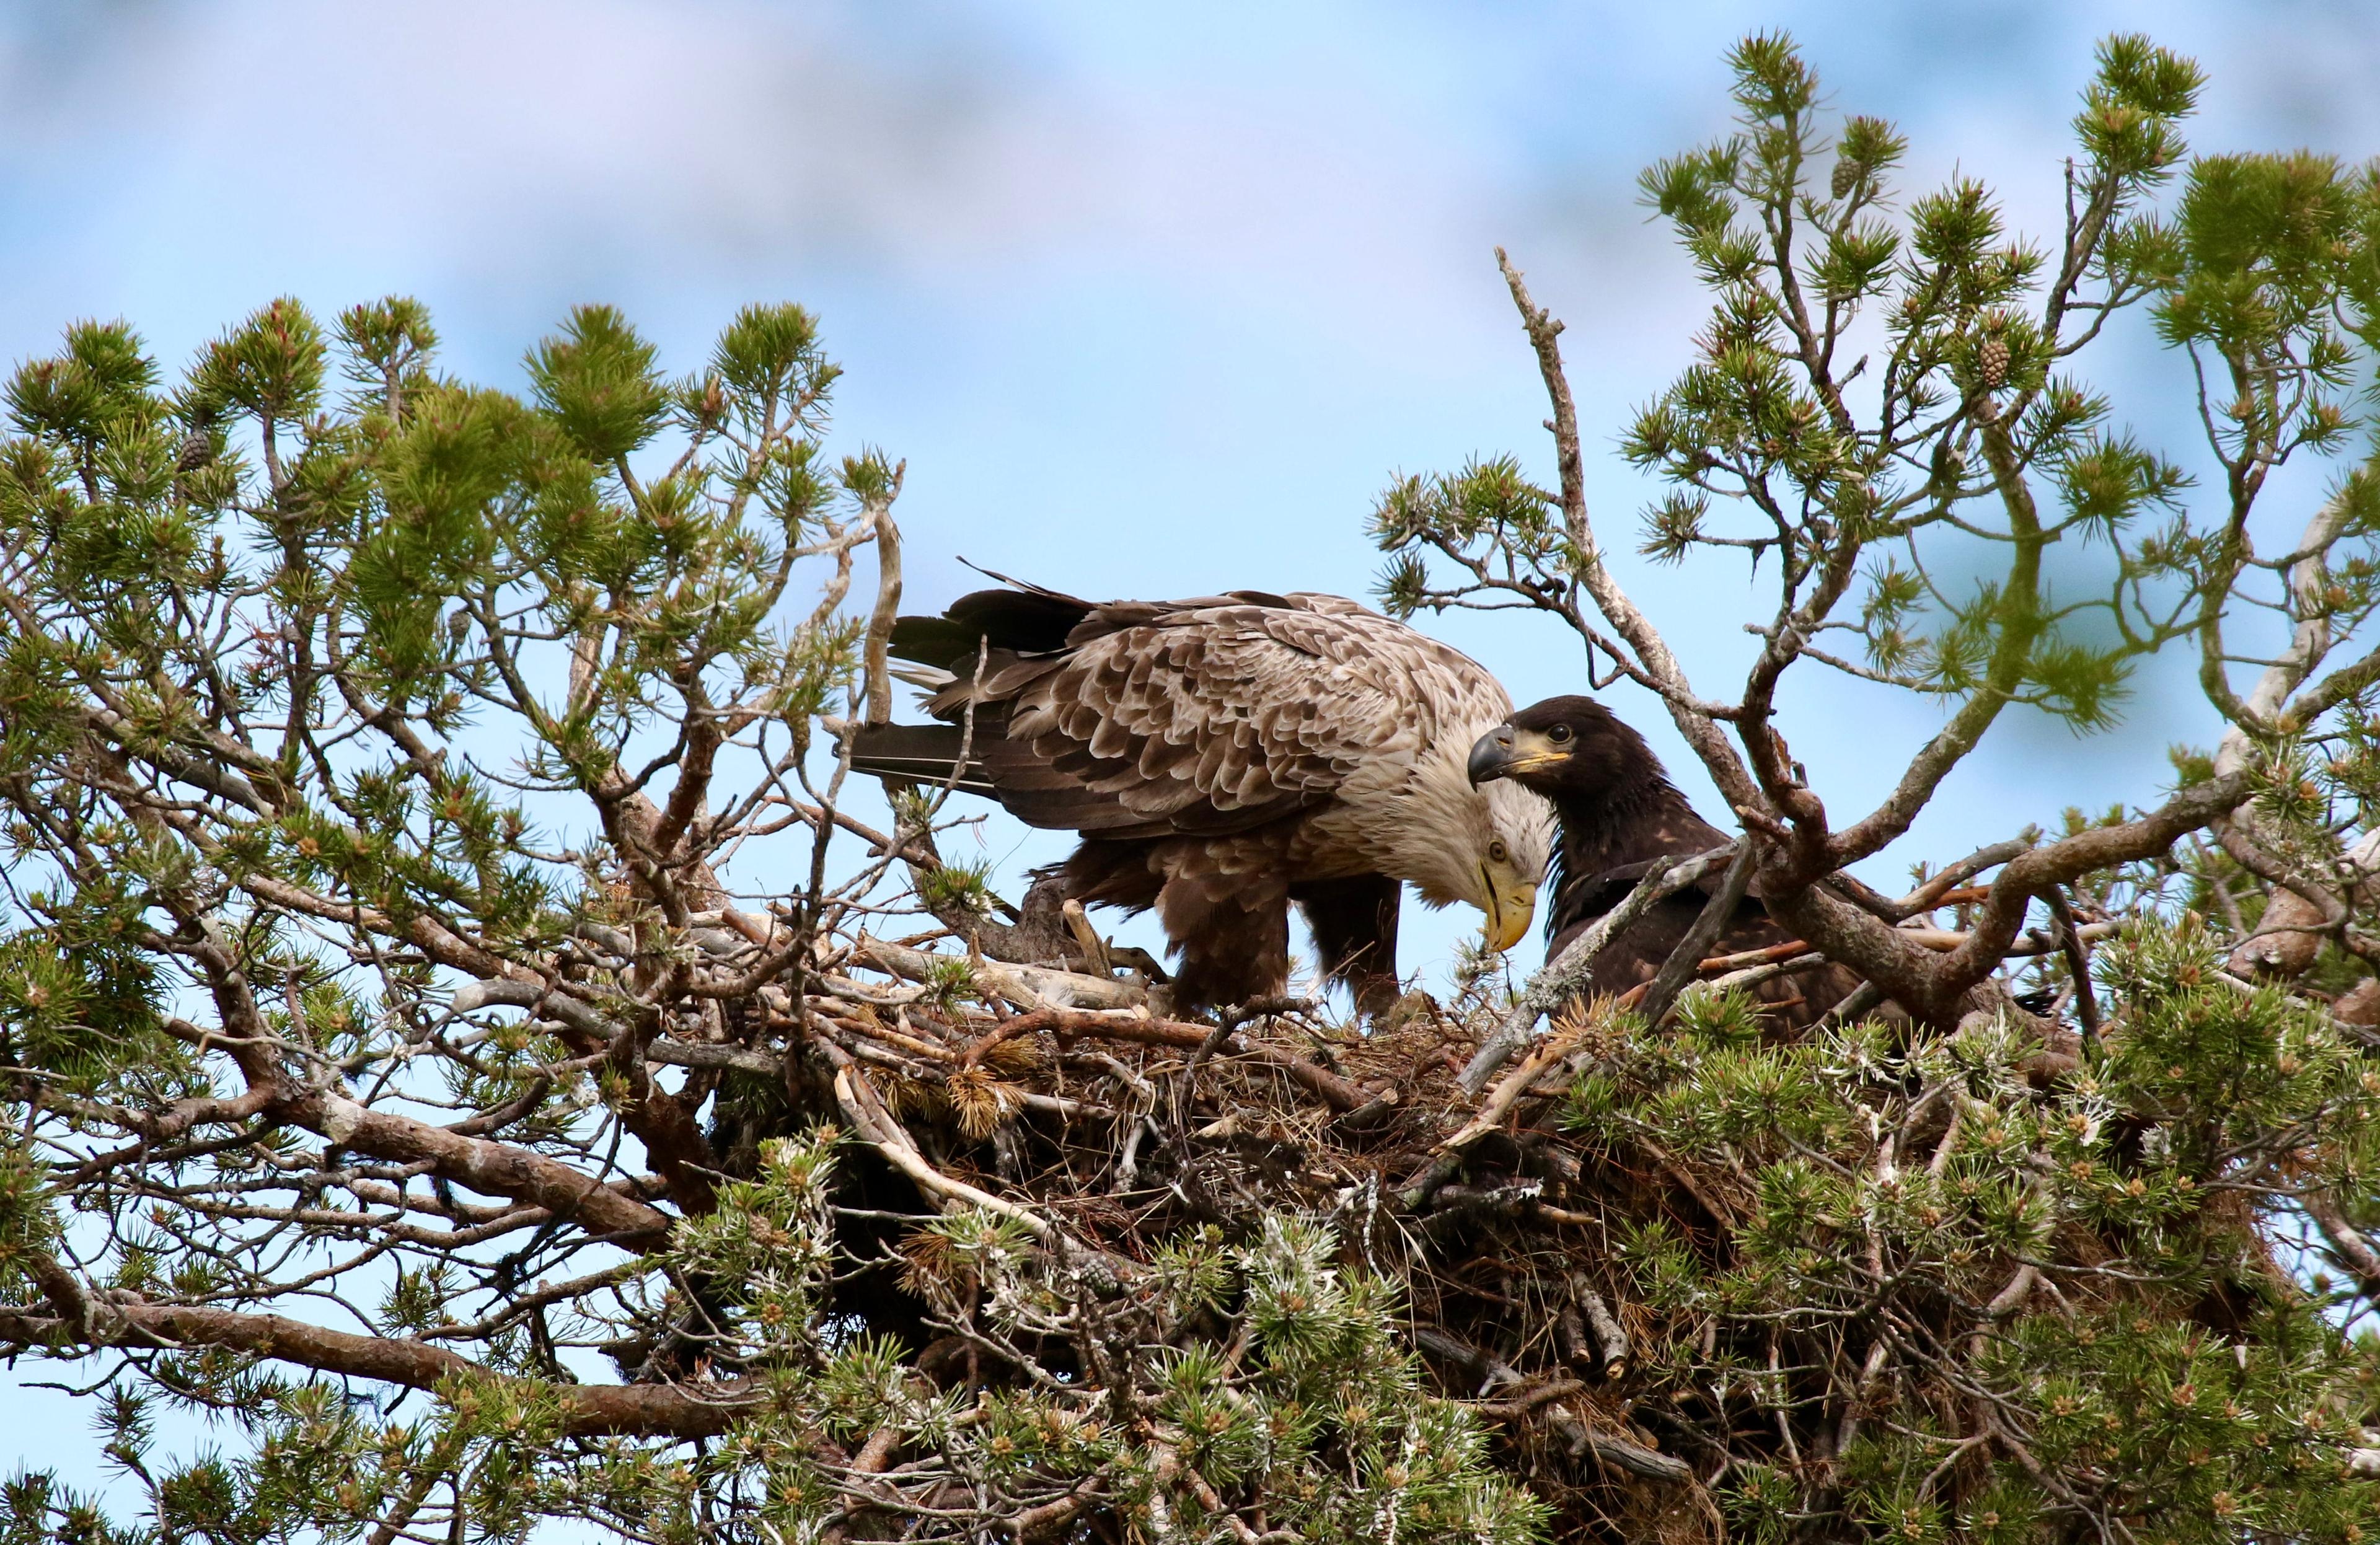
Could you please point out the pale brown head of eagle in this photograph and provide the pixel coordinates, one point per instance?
(1224, 757)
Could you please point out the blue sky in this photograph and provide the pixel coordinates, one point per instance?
(1153, 302)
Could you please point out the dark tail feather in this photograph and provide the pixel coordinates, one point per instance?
(915, 753)
(1027, 620)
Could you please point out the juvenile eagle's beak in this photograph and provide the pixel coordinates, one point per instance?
(1504, 752)
(1509, 907)
(1491, 755)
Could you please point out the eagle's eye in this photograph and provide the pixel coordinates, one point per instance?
(1559, 734)
(1497, 852)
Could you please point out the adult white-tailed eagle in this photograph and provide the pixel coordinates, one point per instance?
(1223, 757)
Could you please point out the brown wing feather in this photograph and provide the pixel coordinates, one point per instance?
(1202, 717)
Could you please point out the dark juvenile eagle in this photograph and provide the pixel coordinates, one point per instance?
(1223, 757)
(1618, 811)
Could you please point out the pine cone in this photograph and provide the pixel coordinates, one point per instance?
(1846, 175)
(1992, 363)
(197, 451)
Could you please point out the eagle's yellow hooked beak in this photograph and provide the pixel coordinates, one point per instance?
(1512, 901)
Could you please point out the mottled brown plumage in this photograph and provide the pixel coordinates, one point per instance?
(1618, 812)
(1223, 757)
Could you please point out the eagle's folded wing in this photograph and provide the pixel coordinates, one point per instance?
(1206, 717)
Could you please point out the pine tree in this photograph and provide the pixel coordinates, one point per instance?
(453, 1033)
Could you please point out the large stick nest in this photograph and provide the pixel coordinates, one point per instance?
(1531, 1239)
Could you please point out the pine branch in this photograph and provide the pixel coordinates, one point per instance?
(1569, 973)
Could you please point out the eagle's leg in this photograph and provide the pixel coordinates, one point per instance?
(1355, 926)
(1231, 927)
